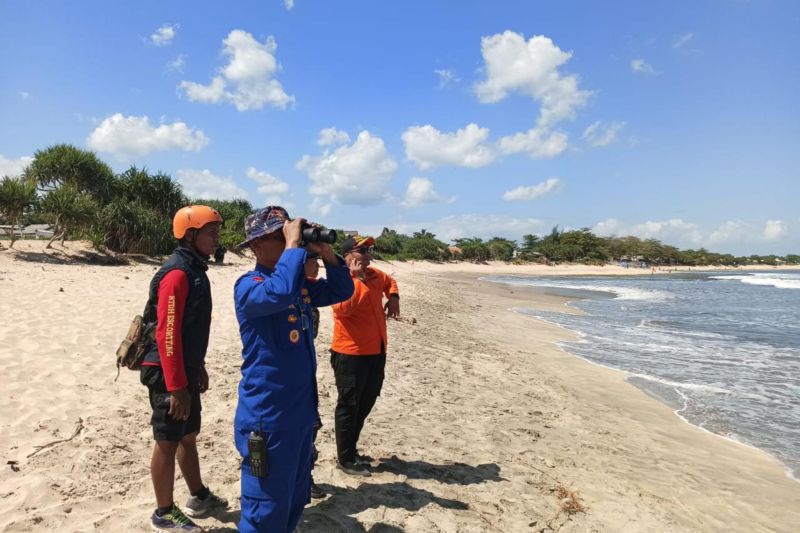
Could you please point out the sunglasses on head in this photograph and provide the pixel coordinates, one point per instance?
(363, 249)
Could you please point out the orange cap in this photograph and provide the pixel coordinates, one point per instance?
(193, 216)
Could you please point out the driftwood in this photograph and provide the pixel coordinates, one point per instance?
(75, 433)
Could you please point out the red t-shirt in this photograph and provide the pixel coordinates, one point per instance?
(172, 293)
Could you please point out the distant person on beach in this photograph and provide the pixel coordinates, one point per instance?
(278, 404)
(358, 351)
(219, 254)
(174, 368)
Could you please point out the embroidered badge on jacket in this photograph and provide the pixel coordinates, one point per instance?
(294, 336)
(292, 319)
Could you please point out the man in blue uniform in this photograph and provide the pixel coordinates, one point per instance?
(277, 406)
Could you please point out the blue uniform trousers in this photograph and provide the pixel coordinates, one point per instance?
(274, 503)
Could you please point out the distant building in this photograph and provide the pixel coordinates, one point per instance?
(43, 231)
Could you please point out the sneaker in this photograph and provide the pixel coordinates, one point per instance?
(195, 507)
(353, 468)
(174, 520)
(316, 491)
(365, 460)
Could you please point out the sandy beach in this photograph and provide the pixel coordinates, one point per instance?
(484, 423)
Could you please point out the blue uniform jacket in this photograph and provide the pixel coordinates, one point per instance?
(278, 390)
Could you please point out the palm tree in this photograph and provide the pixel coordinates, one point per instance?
(67, 208)
(131, 227)
(64, 164)
(156, 191)
(16, 196)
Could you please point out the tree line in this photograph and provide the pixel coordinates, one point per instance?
(131, 212)
(567, 246)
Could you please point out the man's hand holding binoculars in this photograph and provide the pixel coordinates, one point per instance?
(299, 232)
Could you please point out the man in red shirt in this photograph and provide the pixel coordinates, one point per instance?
(173, 369)
(358, 351)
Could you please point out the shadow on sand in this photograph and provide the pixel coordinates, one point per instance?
(451, 474)
(335, 513)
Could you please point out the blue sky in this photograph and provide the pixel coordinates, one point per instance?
(675, 120)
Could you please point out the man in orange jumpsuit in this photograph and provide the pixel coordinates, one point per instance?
(358, 351)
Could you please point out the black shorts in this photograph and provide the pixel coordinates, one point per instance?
(164, 426)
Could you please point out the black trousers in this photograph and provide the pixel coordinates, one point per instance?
(359, 379)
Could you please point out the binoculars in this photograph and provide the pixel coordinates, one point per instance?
(312, 234)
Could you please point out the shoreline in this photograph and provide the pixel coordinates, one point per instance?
(627, 374)
(518, 296)
(676, 411)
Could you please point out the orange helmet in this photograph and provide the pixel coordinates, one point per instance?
(193, 216)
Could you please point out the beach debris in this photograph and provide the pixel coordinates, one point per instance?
(570, 500)
(78, 428)
(14, 465)
(61, 289)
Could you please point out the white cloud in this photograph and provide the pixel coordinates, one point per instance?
(675, 228)
(530, 68)
(420, 191)
(446, 77)
(320, 207)
(536, 142)
(681, 40)
(475, 225)
(608, 227)
(24, 95)
(669, 231)
(177, 64)
(13, 167)
(533, 192)
(247, 81)
(332, 136)
(356, 174)
(683, 234)
(428, 147)
(163, 36)
(126, 136)
(209, 94)
(271, 187)
(202, 184)
(600, 134)
(289, 4)
(641, 66)
(775, 230)
(728, 232)
(735, 232)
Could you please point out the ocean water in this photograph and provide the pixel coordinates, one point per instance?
(722, 349)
